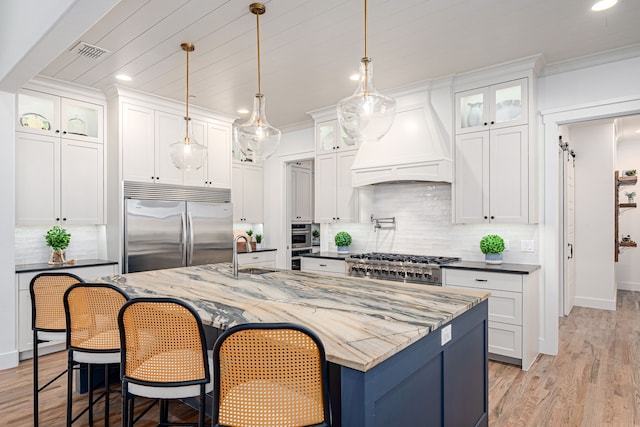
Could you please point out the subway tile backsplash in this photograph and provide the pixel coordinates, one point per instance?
(30, 246)
(423, 226)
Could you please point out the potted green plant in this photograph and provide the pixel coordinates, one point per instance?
(630, 195)
(492, 247)
(630, 172)
(58, 240)
(249, 233)
(258, 241)
(342, 240)
(315, 237)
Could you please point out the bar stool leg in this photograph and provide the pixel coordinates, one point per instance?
(35, 379)
(69, 388)
(90, 380)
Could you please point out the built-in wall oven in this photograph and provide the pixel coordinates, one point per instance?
(295, 257)
(300, 236)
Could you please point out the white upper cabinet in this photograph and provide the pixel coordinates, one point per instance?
(335, 198)
(330, 138)
(147, 132)
(494, 106)
(247, 193)
(59, 160)
(302, 193)
(45, 114)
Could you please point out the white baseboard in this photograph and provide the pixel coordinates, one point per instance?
(9, 360)
(601, 304)
(629, 286)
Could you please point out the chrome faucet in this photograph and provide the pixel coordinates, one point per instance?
(234, 261)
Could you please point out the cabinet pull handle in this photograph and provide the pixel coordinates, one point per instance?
(255, 257)
(323, 265)
(481, 280)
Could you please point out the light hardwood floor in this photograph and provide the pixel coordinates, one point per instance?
(594, 380)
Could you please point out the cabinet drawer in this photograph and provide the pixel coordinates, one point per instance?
(483, 280)
(505, 339)
(504, 307)
(257, 257)
(323, 265)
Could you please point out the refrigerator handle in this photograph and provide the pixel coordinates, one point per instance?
(190, 218)
(184, 238)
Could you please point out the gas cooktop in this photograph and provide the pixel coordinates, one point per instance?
(404, 258)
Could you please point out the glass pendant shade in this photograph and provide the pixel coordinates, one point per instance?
(256, 138)
(366, 116)
(187, 154)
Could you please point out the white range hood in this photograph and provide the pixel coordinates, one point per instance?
(416, 148)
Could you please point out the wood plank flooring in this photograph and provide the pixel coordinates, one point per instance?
(594, 380)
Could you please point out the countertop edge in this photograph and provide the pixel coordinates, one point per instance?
(43, 266)
(509, 268)
(328, 255)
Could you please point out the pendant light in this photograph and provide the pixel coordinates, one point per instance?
(256, 137)
(366, 115)
(187, 154)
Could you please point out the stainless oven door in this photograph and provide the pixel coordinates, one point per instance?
(295, 257)
(300, 235)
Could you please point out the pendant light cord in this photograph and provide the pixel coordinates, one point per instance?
(186, 119)
(366, 52)
(258, 37)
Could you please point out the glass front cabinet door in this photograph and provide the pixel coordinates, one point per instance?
(46, 114)
(495, 106)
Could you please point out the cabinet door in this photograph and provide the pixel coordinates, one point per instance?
(170, 128)
(302, 193)
(82, 183)
(236, 192)
(346, 195)
(38, 113)
(509, 103)
(472, 110)
(219, 155)
(252, 194)
(138, 145)
(472, 177)
(325, 189)
(326, 136)
(37, 179)
(509, 171)
(82, 121)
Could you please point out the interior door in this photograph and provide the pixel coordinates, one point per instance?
(569, 230)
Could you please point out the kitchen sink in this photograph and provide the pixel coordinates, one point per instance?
(256, 270)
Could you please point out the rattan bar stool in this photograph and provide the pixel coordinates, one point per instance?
(47, 320)
(270, 374)
(92, 337)
(164, 356)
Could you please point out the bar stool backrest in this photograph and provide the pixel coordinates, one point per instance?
(268, 375)
(47, 306)
(92, 316)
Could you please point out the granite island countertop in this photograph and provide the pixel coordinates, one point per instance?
(361, 322)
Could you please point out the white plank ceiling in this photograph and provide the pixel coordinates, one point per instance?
(310, 48)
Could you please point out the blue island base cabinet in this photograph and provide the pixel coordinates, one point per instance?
(426, 384)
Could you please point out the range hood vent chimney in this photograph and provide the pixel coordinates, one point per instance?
(416, 148)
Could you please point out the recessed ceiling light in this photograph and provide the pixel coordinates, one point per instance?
(638, 131)
(355, 77)
(243, 111)
(603, 5)
(123, 77)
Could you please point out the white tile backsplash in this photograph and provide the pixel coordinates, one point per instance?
(30, 245)
(423, 226)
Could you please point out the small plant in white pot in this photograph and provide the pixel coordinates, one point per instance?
(258, 241)
(630, 195)
(492, 247)
(342, 240)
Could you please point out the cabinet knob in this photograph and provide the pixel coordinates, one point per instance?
(64, 132)
(153, 177)
(485, 217)
(64, 219)
(157, 178)
(493, 123)
(338, 218)
(493, 217)
(57, 219)
(485, 123)
(57, 130)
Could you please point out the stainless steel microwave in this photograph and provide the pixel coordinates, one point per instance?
(300, 235)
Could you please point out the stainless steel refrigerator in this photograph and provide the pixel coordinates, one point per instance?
(175, 233)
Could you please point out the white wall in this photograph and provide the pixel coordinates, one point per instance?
(628, 266)
(86, 243)
(593, 92)
(294, 145)
(8, 295)
(593, 143)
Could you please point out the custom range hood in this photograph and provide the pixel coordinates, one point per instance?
(416, 148)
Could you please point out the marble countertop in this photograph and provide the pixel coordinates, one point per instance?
(43, 266)
(362, 322)
(497, 268)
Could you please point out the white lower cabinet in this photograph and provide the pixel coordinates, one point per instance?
(513, 311)
(259, 259)
(25, 334)
(323, 265)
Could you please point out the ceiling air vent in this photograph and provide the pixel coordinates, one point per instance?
(88, 50)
